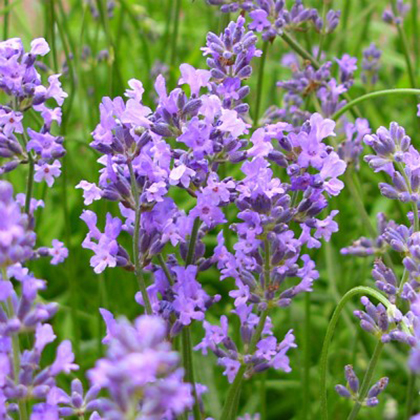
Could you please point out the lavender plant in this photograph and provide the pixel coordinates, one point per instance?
(219, 199)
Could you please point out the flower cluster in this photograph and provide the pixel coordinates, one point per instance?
(140, 371)
(22, 376)
(371, 65)
(271, 17)
(352, 389)
(194, 130)
(22, 83)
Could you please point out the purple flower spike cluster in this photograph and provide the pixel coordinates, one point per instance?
(22, 376)
(352, 389)
(398, 159)
(396, 15)
(195, 130)
(371, 65)
(309, 82)
(271, 17)
(20, 80)
(140, 372)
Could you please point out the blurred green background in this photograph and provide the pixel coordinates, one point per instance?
(97, 54)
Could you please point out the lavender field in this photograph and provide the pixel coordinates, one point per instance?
(209, 209)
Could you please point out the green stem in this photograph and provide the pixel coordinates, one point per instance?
(193, 240)
(6, 20)
(322, 35)
(175, 32)
(344, 21)
(136, 250)
(307, 356)
(267, 265)
(360, 290)
(300, 50)
(411, 392)
(30, 184)
(406, 49)
(229, 409)
(52, 38)
(186, 334)
(165, 269)
(366, 381)
(260, 82)
(359, 205)
(263, 396)
(187, 360)
(414, 19)
(372, 95)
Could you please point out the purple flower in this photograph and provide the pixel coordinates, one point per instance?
(58, 252)
(208, 212)
(231, 367)
(47, 172)
(91, 192)
(196, 79)
(39, 47)
(347, 66)
(64, 359)
(141, 374)
(104, 245)
(46, 145)
(259, 20)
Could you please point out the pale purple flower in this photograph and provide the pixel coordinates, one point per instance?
(64, 359)
(181, 174)
(39, 47)
(58, 252)
(232, 123)
(325, 228)
(11, 122)
(48, 173)
(91, 192)
(231, 367)
(259, 20)
(195, 78)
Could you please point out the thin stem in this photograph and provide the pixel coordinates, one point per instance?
(406, 49)
(52, 35)
(165, 269)
(411, 392)
(6, 20)
(30, 184)
(263, 396)
(372, 95)
(322, 35)
(187, 360)
(300, 50)
(366, 380)
(136, 250)
(344, 21)
(229, 409)
(414, 19)
(175, 32)
(360, 290)
(358, 202)
(260, 82)
(307, 356)
(186, 335)
(193, 240)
